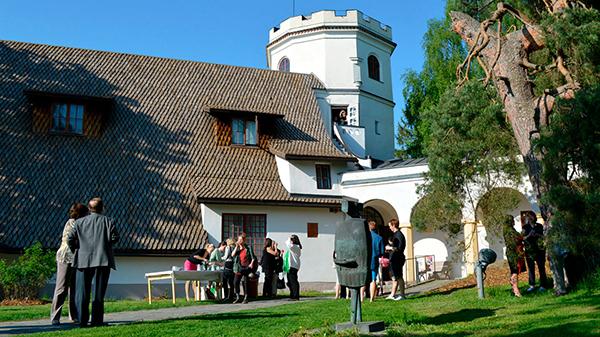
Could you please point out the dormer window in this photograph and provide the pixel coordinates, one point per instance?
(373, 64)
(67, 118)
(243, 132)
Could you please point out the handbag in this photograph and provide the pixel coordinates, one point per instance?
(280, 283)
(384, 262)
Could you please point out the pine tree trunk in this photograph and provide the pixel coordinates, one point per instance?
(525, 112)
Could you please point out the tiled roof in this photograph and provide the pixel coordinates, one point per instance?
(156, 156)
(398, 163)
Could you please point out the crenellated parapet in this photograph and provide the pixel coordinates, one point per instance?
(351, 19)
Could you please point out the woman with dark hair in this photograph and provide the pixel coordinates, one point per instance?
(268, 264)
(294, 252)
(515, 253)
(199, 257)
(65, 275)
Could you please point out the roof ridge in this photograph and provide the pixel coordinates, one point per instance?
(109, 52)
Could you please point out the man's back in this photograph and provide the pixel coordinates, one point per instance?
(95, 234)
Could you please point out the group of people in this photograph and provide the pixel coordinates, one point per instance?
(525, 250)
(395, 260)
(239, 263)
(85, 255)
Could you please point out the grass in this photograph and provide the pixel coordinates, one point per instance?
(30, 312)
(459, 313)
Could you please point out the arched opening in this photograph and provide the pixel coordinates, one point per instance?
(382, 212)
(491, 209)
(438, 235)
(373, 64)
(284, 64)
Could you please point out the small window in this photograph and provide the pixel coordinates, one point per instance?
(67, 118)
(312, 230)
(377, 128)
(373, 64)
(243, 132)
(323, 177)
(284, 65)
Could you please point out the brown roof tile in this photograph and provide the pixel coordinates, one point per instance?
(156, 156)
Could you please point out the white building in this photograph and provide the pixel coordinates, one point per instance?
(185, 153)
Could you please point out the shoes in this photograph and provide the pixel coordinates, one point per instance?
(530, 289)
(399, 298)
(237, 299)
(542, 289)
(245, 301)
(56, 323)
(560, 293)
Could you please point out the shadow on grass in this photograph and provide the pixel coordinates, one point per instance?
(586, 328)
(463, 315)
(392, 333)
(240, 315)
(445, 292)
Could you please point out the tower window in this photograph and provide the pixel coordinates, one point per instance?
(373, 64)
(284, 65)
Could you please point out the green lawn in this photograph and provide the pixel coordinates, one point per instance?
(23, 313)
(457, 314)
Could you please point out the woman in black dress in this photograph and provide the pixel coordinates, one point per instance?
(268, 264)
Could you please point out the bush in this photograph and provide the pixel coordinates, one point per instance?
(25, 277)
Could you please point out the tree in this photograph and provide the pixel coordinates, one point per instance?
(422, 90)
(543, 58)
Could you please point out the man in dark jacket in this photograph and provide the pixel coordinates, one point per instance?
(92, 239)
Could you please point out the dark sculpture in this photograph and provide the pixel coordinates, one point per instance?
(352, 256)
(352, 241)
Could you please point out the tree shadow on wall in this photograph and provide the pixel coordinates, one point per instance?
(138, 165)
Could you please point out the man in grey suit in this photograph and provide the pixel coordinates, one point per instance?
(93, 238)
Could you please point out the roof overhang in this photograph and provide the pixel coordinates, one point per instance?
(230, 112)
(37, 95)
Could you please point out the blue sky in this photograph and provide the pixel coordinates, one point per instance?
(229, 32)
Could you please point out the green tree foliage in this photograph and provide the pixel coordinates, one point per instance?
(571, 166)
(471, 151)
(443, 50)
(23, 278)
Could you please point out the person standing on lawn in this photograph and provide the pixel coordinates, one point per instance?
(228, 275)
(535, 252)
(377, 251)
(197, 258)
(268, 264)
(515, 253)
(293, 261)
(65, 274)
(93, 236)
(243, 262)
(396, 247)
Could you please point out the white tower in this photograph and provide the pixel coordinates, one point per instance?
(350, 54)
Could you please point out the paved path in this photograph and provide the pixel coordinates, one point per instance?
(127, 317)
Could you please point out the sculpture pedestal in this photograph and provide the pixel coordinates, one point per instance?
(362, 327)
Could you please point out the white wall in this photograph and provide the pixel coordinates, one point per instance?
(300, 176)
(282, 221)
(379, 146)
(397, 186)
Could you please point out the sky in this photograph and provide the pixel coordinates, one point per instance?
(228, 32)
